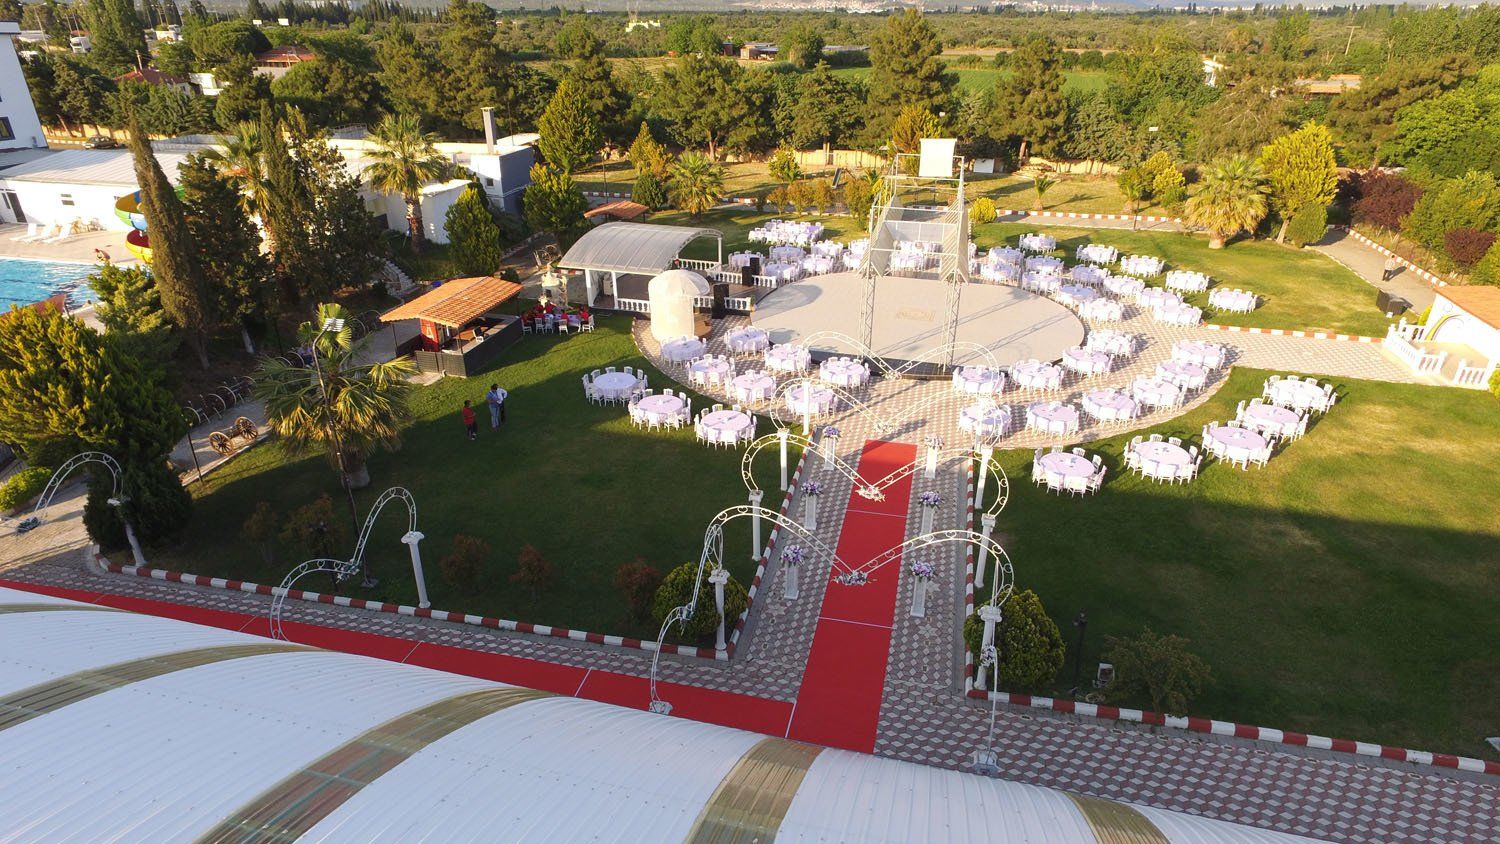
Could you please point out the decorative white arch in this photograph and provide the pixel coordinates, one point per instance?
(344, 569)
(116, 498)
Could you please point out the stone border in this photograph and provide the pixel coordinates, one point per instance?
(1431, 278)
(1292, 332)
(476, 620)
(1079, 215)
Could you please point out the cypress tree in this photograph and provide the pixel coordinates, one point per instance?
(235, 273)
(905, 71)
(476, 240)
(174, 261)
(569, 133)
(1029, 103)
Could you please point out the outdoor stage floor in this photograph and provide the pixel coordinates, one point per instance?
(910, 314)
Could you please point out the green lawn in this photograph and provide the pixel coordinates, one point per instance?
(1348, 589)
(1299, 289)
(1080, 194)
(983, 78)
(577, 481)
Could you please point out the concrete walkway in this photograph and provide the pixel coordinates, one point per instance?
(1369, 265)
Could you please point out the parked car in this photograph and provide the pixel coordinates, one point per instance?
(100, 142)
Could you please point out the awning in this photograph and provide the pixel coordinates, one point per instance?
(620, 209)
(457, 302)
(644, 248)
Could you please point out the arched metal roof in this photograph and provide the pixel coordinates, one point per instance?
(122, 727)
(644, 248)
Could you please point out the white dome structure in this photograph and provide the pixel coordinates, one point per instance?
(671, 294)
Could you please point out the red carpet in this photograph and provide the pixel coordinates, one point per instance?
(723, 708)
(839, 704)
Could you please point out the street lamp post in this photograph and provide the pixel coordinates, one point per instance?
(1081, 623)
(335, 325)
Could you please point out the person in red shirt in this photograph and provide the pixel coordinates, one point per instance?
(471, 424)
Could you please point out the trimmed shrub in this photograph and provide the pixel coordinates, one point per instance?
(649, 191)
(315, 532)
(1495, 384)
(24, 485)
(858, 197)
(637, 582)
(1467, 247)
(464, 561)
(533, 572)
(1308, 224)
(1031, 648)
(1384, 199)
(1156, 669)
(1487, 271)
(981, 211)
(260, 530)
(674, 592)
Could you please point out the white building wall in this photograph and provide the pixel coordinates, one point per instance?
(1452, 324)
(15, 98)
(48, 203)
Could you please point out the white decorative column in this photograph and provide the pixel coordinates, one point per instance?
(810, 493)
(791, 563)
(135, 544)
(830, 446)
(782, 434)
(807, 405)
(411, 540)
(986, 454)
(981, 561)
(922, 572)
(755, 546)
(718, 579)
(930, 502)
(934, 446)
(990, 615)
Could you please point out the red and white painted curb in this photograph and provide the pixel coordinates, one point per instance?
(1289, 332)
(765, 557)
(1430, 277)
(1244, 731)
(474, 620)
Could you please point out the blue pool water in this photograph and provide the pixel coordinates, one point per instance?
(23, 281)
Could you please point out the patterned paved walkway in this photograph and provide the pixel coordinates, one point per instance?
(924, 716)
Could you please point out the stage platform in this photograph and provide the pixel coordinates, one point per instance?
(910, 316)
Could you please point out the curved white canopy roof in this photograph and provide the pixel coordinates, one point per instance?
(643, 248)
(121, 727)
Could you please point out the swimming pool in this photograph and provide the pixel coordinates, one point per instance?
(23, 280)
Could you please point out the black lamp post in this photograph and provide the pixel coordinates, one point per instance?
(1082, 624)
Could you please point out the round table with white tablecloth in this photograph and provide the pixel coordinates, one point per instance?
(817, 265)
(1096, 253)
(1065, 464)
(1005, 255)
(1178, 314)
(1036, 375)
(1086, 361)
(1038, 242)
(1110, 342)
(1076, 295)
(1039, 282)
(1233, 301)
(1004, 273)
(1044, 264)
(1102, 310)
(660, 408)
(1155, 298)
(751, 339)
(1270, 418)
(1299, 395)
(740, 260)
(753, 386)
(683, 349)
(984, 419)
(1163, 460)
(1144, 265)
(1108, 405)
(1186, 281)
(828, 249)
(978, 380)
(615, 385)
(1156, 392)
(782, 271)
(1236, 444)
(1124, 285)
(726, 426)
(802, 398)
(709, 371)
(787, 254)
(1052, 417)
(909, 261)
(1088, 274)
(1183, 374)
(787, 357)
(843, 372)
(1201, 352)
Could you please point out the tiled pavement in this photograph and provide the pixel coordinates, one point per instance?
(924, 716)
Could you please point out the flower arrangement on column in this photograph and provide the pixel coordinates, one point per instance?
(810, 491)
(930, 502)
(923, 572)
(791, 562)
(830, 445)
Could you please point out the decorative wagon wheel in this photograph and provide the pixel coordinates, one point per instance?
(221, 443)
(243, 427)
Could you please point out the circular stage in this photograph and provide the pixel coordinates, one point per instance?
(910, 318)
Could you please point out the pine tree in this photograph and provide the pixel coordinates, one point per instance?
(131, 311)
(649, 190)
(569, 132)
(1095, 130)
(906, 70)
(236, 275)
(1300, 170)
(554, 204)
(477, 73)
(647, 155)
(1029, 102)
(473, 236)
(117, 35)
(174, 259)
(595, 84)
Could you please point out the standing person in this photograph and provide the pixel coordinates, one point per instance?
(471, 424)
(496, 397)
(1390, 269)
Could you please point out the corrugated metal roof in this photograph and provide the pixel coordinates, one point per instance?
(90, 167)
(631, 247)
(335, 747)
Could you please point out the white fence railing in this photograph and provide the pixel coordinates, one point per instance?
(1416, 358)
(742, 304)
(695, 264)
(734, 277)
(638, 306)
(1474, 377)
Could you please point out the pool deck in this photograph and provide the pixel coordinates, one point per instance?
(78, 248)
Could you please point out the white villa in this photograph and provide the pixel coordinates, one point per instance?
(1459, 344)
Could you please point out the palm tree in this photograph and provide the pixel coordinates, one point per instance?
(1232, 199)
(239, 156)
(339, 405)
(404, 160)
(696, 183)
(1041, 184)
